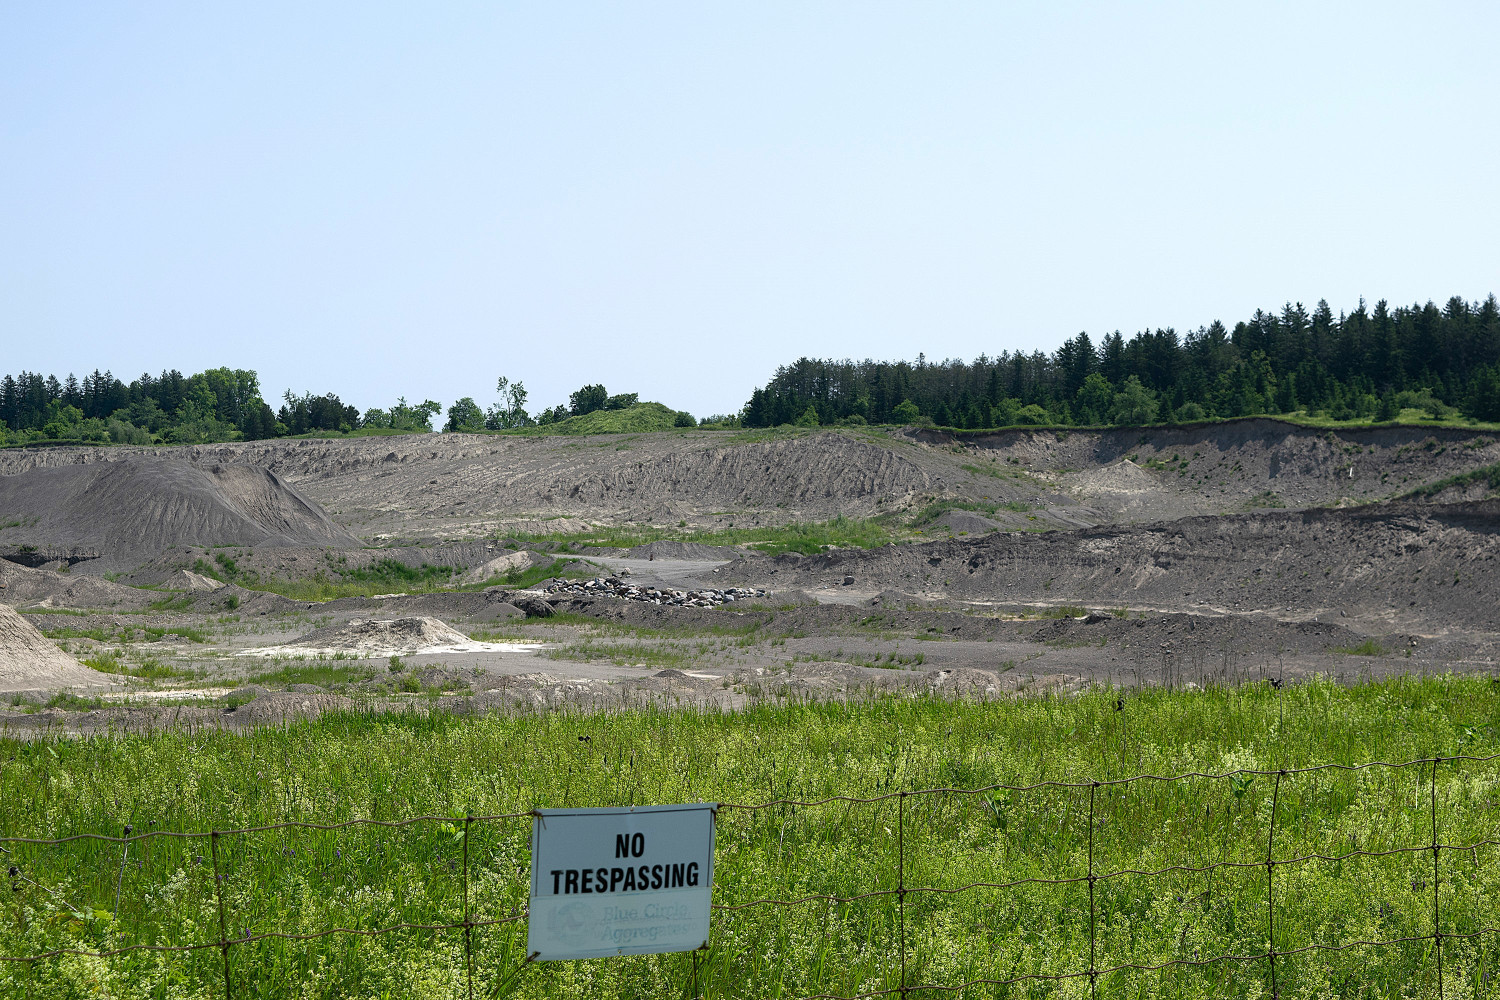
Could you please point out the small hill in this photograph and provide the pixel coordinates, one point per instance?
(638, 419)
(30, 662)
(120, 514)
(378, 638)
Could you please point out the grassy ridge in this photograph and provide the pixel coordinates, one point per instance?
(397, 766)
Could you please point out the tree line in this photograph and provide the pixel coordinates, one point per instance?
(224, 404)
(1369, 363)
(221, 404)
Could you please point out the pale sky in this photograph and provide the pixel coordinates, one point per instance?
(673, 199)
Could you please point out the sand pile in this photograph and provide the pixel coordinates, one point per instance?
(30, 662)
(121, 514)
(398, 637)
(510, 562)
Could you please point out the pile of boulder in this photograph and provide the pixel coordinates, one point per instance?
(613, 586)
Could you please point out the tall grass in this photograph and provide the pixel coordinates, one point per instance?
(393, 766)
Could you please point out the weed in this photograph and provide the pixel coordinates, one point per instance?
(320, 674)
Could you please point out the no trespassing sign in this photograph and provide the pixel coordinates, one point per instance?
(627, 881)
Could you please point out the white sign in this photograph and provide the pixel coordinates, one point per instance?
(628, 881)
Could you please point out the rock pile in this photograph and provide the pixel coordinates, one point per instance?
(615, 587)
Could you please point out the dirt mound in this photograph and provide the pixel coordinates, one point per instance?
(398, 637)
(26, 587)
(188, 580)
(510, 562)
(1420, 567)
(120, 514)
(30, 662)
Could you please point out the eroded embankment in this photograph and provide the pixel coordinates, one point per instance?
(119, 514)
(1428, 567)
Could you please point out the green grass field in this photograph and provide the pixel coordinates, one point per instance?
(397, 766)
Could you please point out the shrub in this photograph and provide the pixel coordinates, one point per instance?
(465, 416)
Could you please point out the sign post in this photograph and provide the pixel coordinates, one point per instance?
(628, 881)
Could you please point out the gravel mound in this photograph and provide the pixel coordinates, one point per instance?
(117, 515)
(398, 637)
(30, 662)
(510, 562)
(1413, 566)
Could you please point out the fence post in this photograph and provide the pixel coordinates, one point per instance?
(1437, 931)
(213, 843)
(901, 881)
(1270, 895)
(120, 882)
(468, 925)
(1093, 975)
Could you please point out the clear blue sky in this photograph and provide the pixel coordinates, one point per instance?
(675, 198)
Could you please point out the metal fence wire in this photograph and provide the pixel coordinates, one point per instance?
(905, 984)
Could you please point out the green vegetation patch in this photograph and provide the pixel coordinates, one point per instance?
(147, 668)
(385, 576)
(391, 767)
(638, 419)
(807, 539)
(621, 654)
(1267, 498)
(1489, 475)
(322, 674)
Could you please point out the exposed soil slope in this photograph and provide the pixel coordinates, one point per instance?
(1427, 568)
(461, 485)
(1143, 475)
(47, 588)
(124, 513)
(30, 662)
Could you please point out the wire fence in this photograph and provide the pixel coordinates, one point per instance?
(904, 982)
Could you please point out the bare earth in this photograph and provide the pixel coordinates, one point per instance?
(1219, 554)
